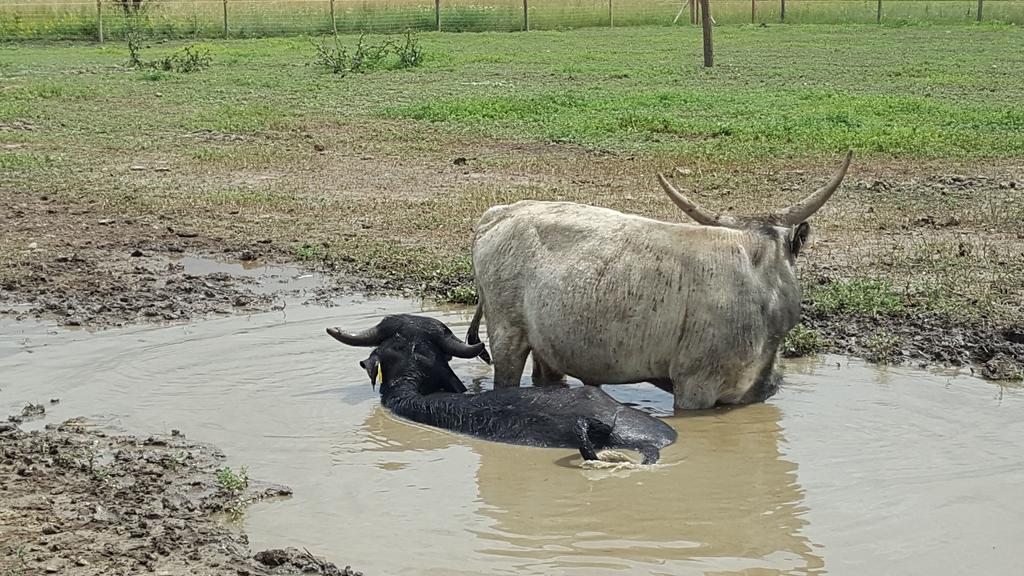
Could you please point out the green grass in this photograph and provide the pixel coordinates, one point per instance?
(793, 91)
(867, 297)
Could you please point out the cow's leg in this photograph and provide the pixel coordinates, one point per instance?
(695, 385)
(509, 350)
(544, 374)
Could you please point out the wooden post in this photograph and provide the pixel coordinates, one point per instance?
(753, 11)
(611, 18)
(99, 19)
(334, 21)
(705, 18)
(225, 18)
(980, 5)
(526, 17)
(437, 14)
(878, 15)
(783, 17)
(693, 12)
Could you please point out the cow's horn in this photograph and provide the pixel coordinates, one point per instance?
(692, 210)
(459, 349)
(803, 210)
(369, 337)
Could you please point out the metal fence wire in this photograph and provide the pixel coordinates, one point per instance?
(94, 19)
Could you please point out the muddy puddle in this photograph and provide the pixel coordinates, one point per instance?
(851, 469)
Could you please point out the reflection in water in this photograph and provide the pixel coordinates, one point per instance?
(841, 472)
(722, 500)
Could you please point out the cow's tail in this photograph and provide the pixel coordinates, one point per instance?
(473, 334)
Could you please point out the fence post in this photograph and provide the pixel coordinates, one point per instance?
(334, 21)
(99, 19)
(878, 15)
(437, 14)
(783, 17)
(753, 11)
(526, 17)
(693, 12)
(979, 10)
(705, 18)
(225, 18)
(611, 18)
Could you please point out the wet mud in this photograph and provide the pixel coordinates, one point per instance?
(79, 502)
(990, 351)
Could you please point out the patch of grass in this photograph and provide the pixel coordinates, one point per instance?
(802, 341)
(867, 297)
(22, 161)
(239, 118)
(310, 252)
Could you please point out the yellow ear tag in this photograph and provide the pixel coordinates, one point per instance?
(380, 374)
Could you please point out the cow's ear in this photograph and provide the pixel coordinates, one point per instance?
(800, 234)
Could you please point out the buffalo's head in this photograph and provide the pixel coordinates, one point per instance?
(411, 346)
(791, 220)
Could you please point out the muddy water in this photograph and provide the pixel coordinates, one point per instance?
(849, 470)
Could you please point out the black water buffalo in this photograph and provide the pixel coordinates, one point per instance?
(410, 358)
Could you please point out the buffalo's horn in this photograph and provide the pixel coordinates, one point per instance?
(455, 347)
(369, 337)
(802, 210)
(691, 209)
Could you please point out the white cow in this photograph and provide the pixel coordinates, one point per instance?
(610, 298)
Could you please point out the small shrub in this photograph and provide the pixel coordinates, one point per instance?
(230, 481)
(134, 41)
(234, 483)
(188, 59)
(410, 54)
(367, 56)
(802, 341)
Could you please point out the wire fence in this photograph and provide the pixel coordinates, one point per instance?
(99, 19)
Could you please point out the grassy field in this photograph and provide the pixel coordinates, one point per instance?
(383, 174)
(20, 19)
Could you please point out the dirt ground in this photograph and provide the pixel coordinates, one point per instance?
(79, 502)
(945, 239)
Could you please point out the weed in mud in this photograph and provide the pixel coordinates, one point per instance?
(231, 481)
(235, 484)
(867, 297)
(802, 341)
(883, 348)
(461, 295)
(21, 562)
